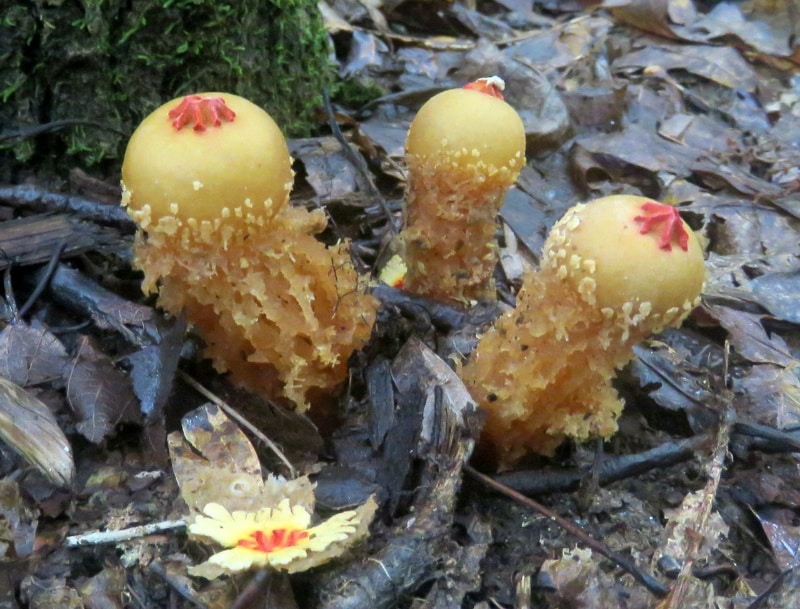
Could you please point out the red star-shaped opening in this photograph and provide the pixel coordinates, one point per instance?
(667, 217)
(201, 111)
(491, 86)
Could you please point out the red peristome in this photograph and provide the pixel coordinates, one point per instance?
(668, 216)
(489, 85)
(273, 540)
(202, 111)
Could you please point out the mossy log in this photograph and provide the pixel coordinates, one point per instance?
(92, 69)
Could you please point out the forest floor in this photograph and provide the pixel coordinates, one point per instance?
(695, 502)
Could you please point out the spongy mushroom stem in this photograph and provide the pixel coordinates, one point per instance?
(540, 375)
(607, 280)
(464, 150)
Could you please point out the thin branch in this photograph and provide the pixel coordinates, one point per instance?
(647, 580)
(358, 162)
(102, 537)
(231, 412)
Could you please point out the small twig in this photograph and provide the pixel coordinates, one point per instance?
(102, 537)
(43, 279)
(358, 162)
(766, 438)
(231, 412)
(268, 588)
(647, 580)
(610, 469)
(31, 197)
(34, 130)
(181, 584)
(11, 310)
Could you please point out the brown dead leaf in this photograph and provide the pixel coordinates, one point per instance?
(560, 47)
(108, 310)
(367, 52)
(30, 355)
(389, 134)
(49, 593)
(749, 337)
(763, 30)
(785, 541)
(746, 230)
(728, 277)
(779, 293)
(769, 395)
(101, 591)
(700, 132)
(100, 395)
(656, 16)
(214, 462)
(153, 367)
(328, 170)
(740, 179)
(678, 368)
(635, 156)
(580, 580)
(722, 65)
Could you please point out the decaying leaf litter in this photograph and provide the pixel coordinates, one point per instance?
(695, 497)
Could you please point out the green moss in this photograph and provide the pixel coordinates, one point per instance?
(354, 94)
(111, 63)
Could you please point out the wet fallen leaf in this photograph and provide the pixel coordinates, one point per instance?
(328, 170)
(214, 462)
(750, 339)
(769, 395)
(101, 591)
(785, 541)
(656, 16)
(100, 395)
(699, 132)
(577, 579)
(30, 355)
(767, 32)
(153, 367)
(779, 293)
(677, 369)
(722, 65)
(634, 156)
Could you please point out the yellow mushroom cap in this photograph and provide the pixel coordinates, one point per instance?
(196, 156)
(628, 255)
(465, 127)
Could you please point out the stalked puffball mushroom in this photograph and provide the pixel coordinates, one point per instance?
(207, 177)
(612, 272)
(464, 150)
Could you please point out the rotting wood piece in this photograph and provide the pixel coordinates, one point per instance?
(25, 196)
(412, 555)
(33, 240)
